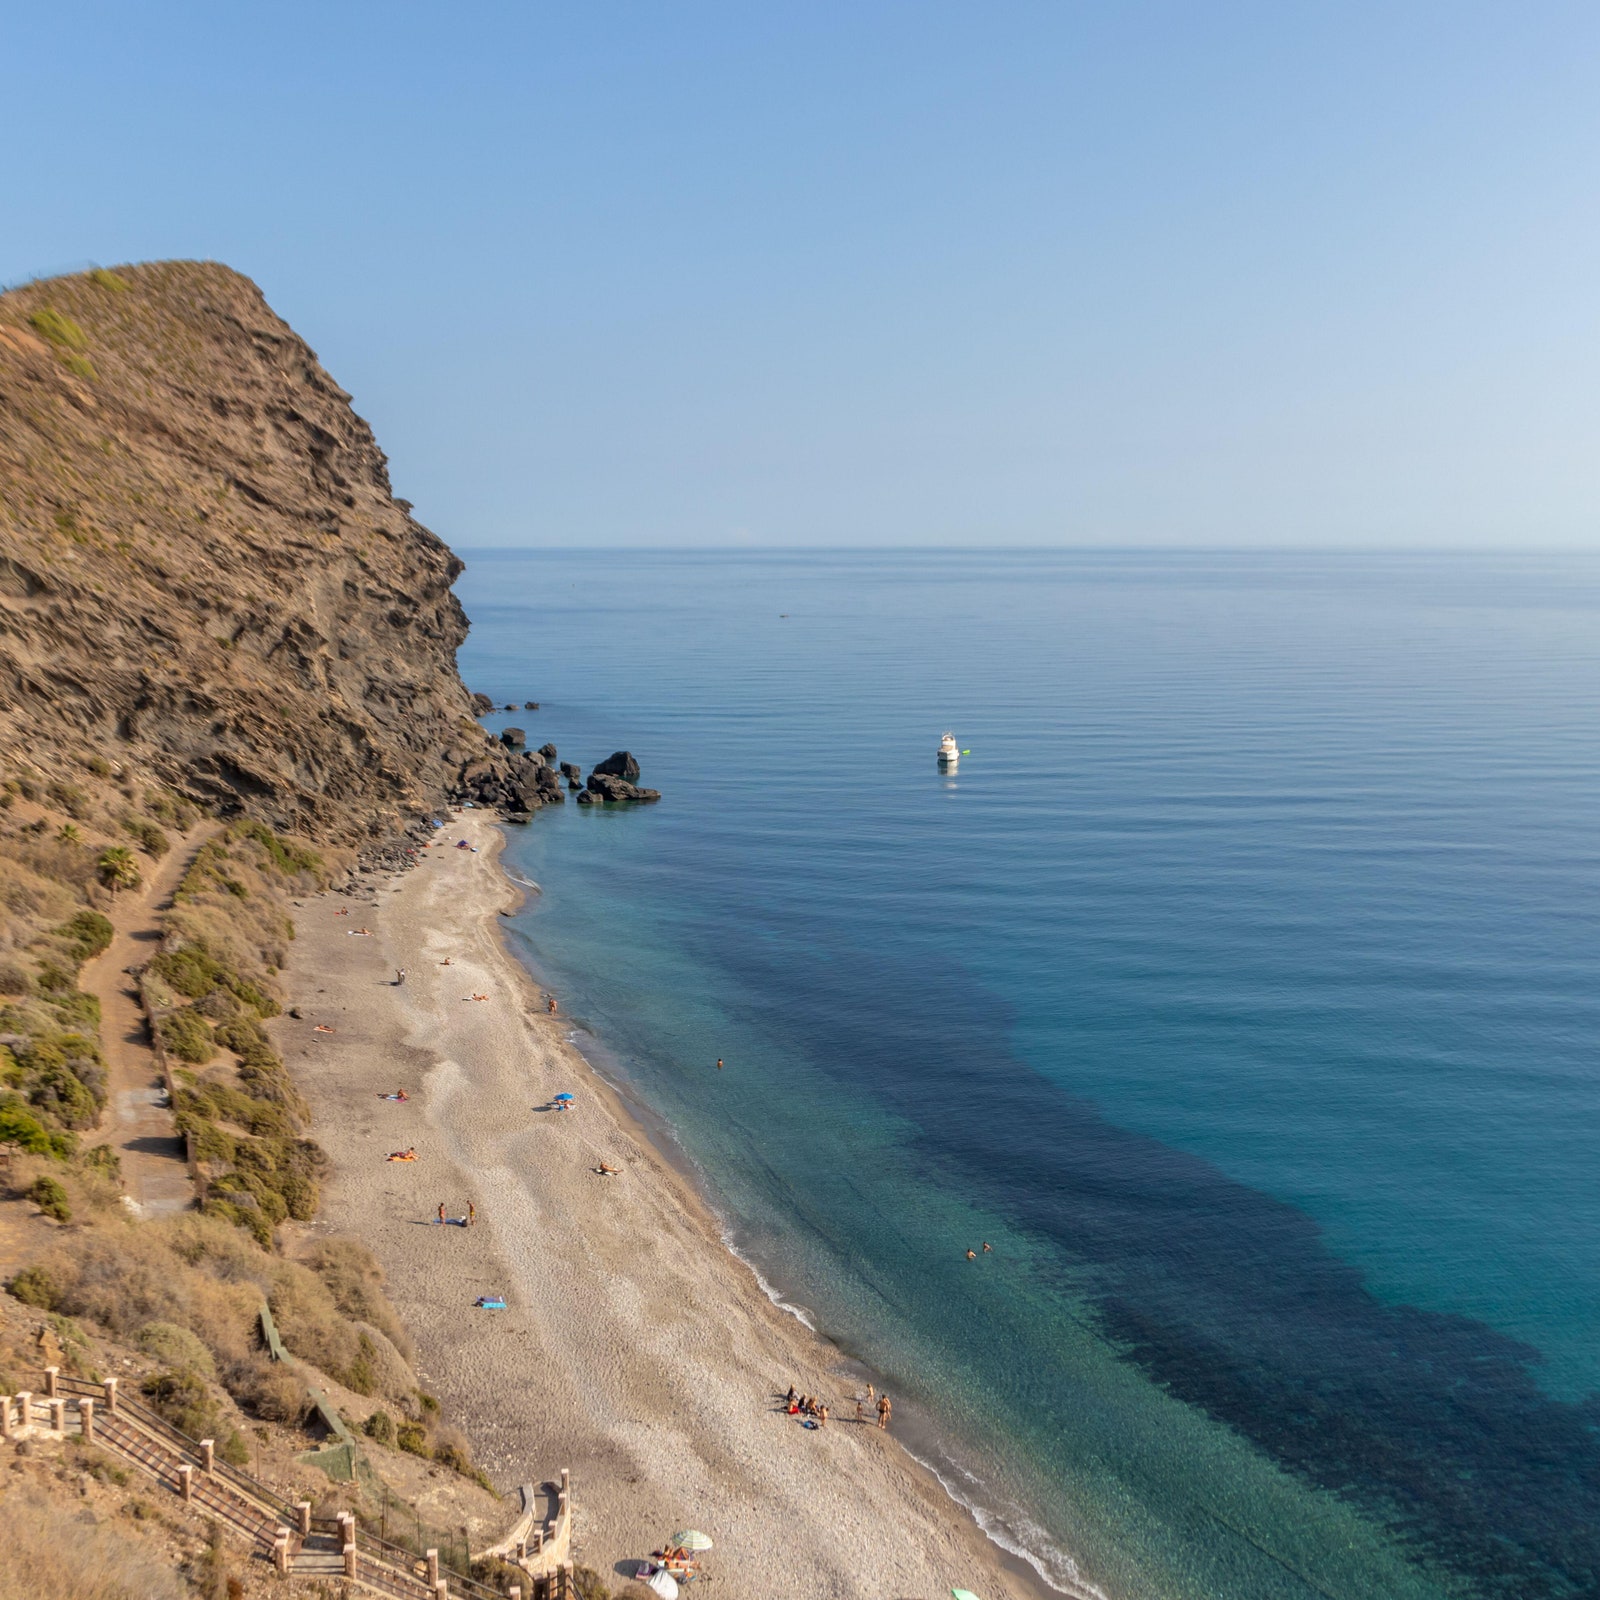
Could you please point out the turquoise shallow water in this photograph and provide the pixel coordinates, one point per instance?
(1239, 989)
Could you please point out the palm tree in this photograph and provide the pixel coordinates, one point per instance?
(118, 869)
(68, 833)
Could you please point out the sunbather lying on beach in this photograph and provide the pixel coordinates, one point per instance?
(402, 1155)
(345, 912)
(399, 1094)
(474, 997)
(607, 1172)
(322, 1027)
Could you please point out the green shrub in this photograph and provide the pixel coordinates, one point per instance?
(51, 1198)
(182, 1398)
(54, 978)
(176, 1348)
(379, 1426)
(412, 1437)
(60, 330)
(35, 1286)
(188, 1036)
(234, 1450)
(109, 280)
(89, 934)
(587, 1584)
(103, 1159)
(18, 1127)
(151, 839)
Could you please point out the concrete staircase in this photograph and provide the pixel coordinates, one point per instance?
(297, 1545)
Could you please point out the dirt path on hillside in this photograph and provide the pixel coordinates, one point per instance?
(137, 1121)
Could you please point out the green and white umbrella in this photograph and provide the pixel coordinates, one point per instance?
(963, 1594)
(691, 1539)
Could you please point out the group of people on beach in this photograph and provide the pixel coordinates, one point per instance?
(815, 1411)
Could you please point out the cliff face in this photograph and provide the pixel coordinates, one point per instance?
(204, 576)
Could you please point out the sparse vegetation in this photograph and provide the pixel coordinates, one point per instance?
(60, 330)
(109, 280)
(51, 1198)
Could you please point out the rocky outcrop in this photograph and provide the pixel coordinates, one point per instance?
(513, 738)
(205, 579)
(613, 781)
(618, 765)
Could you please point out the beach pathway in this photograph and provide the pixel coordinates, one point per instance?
(137, 1121)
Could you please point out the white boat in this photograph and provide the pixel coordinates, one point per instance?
(949, 751)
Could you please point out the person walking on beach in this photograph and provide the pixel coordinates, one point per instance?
(472, 1215)
(884, 1408)
(399, 977)
(861, 1408)
(822, 1416)
(441, 1213)
(550, 1004)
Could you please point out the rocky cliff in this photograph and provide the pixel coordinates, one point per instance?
(205, 579)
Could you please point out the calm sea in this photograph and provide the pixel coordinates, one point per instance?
(1240, 991)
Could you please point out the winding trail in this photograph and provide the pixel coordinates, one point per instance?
(137, 1121)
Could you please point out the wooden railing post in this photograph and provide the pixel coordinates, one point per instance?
(304, 1508)
(280, 1550)
(110, 1387)
(5, 1415)
(86, 1418)
(51, 1374)
(58, 1416)
(25, 1409)
(350, 1559)
(186, 1481)
(208, 1455)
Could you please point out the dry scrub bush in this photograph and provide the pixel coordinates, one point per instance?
(355, 1280)
(52, 1555)
(176, 1348)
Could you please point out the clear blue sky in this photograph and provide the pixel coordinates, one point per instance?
(680, 272)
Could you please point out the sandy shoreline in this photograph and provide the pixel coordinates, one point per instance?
(636, 1350)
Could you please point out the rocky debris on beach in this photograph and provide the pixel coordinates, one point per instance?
(513, 738)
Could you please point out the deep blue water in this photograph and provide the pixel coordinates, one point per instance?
(1240, 990)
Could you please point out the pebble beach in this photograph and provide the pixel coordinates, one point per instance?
(635, 1349)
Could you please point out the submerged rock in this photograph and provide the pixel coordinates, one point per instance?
(548, 751)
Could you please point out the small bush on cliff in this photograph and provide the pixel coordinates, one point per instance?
(188, 1036)
(51, 1198)
(182, 1398)
(59, 329)
(35, 1286)
(20, 1128)
(151, 839)
(88, 934)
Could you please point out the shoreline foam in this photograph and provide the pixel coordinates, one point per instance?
(641, 1349)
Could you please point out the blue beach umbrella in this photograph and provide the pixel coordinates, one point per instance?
(563, 1097)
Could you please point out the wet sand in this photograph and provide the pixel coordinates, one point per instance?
(636, 1350)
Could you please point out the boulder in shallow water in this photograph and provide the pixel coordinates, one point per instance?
(548, 751)
(513, 738)
(619, 765)
(587, 799)
(530, 705)
(482, 705)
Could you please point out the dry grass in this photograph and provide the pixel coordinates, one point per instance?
(53, 1554)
